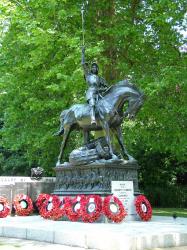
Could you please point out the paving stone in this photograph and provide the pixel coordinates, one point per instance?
(130, 235)
(40, 235)
(74, 238)
(15, 232)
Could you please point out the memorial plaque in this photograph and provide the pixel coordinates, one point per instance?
(124, 190)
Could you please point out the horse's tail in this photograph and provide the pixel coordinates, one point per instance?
(62, 118)
(63, 114)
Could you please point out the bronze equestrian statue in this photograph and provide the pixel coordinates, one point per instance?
(108, 115)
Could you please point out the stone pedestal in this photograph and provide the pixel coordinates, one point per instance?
(94, 178)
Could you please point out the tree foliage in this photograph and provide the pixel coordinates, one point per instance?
(40, 51)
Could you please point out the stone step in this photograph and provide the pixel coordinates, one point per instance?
(129, 235)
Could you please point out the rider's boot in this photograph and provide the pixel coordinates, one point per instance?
(93, 120)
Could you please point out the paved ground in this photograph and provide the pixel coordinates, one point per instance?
(172, 248)
(19, 244)
(159, 232)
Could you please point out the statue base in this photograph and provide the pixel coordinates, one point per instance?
(94, 178)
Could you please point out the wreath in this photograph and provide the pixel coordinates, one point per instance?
(91, 208)
(73, 207)
(143, 207)
(23, 205)
(49, 207)
(113, 209)
(59, 211)
(40, 199)
(4, 207)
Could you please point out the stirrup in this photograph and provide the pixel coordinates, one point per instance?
(93, 122)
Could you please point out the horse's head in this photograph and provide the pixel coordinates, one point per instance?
(122, 92)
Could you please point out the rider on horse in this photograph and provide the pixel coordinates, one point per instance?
(96, 85)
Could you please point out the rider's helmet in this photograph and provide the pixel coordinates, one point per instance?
(94, 68)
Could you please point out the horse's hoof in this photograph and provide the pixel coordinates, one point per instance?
(114, 157)
(58, 164)
(132, 160)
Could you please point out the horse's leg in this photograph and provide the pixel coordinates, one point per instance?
(119, 136)
(86, 136)
(65, 137)
(107, 131)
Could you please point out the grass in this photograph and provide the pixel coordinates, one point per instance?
(180, 212)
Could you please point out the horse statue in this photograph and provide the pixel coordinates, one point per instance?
(109, 115)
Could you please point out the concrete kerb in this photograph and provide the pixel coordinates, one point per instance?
(136, 235)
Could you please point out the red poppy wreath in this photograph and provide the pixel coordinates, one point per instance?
(49, 208)
(143, 207)
(4, 207)
(113, 209)
(23, 205)
(91, 208)
(59, 211)
(73, 207)
(40, 199)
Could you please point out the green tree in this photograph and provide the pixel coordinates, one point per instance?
(41, 71)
